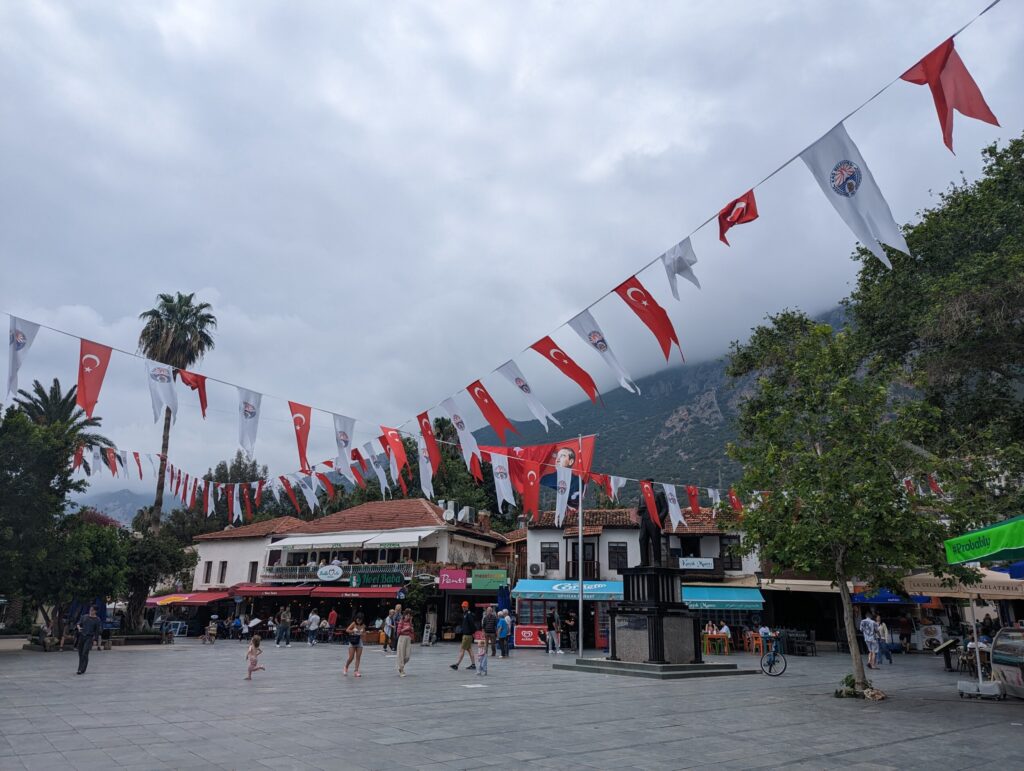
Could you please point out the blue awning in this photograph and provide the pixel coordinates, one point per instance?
(885, 597)
(722, 598)
(538, 589)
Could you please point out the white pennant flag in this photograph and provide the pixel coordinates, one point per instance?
(674, 512)
(502, 480)
(716, 501)
(152, 463)
(344, 435)
(304, 483)
(236, 505)
(563, 483)
(394, 466)
(466, 438)
(97, 461)
(378, 469)
(211, 499)
(679, 261)
(616, 483)
(515, 376)
(426, 480)
(838, 168)
(248, 419)
(586, 327)
(161, 389)
(23, 334)
(123, 456)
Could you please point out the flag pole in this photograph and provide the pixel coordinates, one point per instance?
(579, 556)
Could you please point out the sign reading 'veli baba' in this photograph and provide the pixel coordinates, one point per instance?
(452, 578)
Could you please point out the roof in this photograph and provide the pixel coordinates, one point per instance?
(596, 520)
(255, 530)
(516, 536)
(591, 518)
(706, 523)
(588, 530)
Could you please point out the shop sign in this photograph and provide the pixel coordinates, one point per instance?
(489, 579)
(452, 579)
(378, 579)
(697, 563)
(529, 636)
(329, 573)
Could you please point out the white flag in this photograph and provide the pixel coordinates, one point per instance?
(248, 419)
(679, 261)
(23, 334)
(587, 328)
(502, 480)
(123, 456)
(344, 434)
(394, 466)
(161, 390)
(563, 483)
(236, 505)
(426, 480)
(152, 463)
(616, 483)
(304, 483)
(674, 512)
(515, 376)
(97, 462)
(378, 469)
(211, 499)
(716, 501)
(466, 438)
(844, 177)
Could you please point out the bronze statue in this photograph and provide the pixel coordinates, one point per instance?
(650, 531)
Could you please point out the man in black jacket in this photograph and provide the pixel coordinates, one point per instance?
(89, 630)
(467, 628)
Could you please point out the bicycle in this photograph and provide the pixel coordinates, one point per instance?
(773, 663)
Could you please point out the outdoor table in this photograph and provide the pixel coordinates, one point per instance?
(716, 638)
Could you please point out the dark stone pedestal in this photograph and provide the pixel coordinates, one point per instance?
(652, 625)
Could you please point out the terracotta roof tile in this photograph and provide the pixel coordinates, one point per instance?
(516, 536)
(379, 515)
(703, 524)
(592, 517)
(255, 530)
(574, 532)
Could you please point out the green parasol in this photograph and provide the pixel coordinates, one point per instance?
(1001, 541)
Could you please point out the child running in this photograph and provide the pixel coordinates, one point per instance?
(355, 632)
(253, 656)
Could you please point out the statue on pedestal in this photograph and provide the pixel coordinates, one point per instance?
(650, 530)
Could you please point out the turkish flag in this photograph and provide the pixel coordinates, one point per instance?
(291, 493)
(908, 483)
(247, 502)
(647, 489)
(196, 383)
(359, 477)
(138, 463)
(184, 491)
(323, 480)
(650, 313)
(356, 455)
(531, 487)
(231, 501)
(549, 457)
(737, 212)
(426, 429)
(393, 441)
(93, 359)
(734, 501)
(206, 497)
(79, 457)
(192, 498)
(601, 480)
(933, 483)
(952, 87)
(490, 410)
(111, 455)
(177, 483)
(547, 348)
(259, 492)
(300, 419)
(693, 493)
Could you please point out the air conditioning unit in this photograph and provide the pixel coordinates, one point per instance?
(536, 569)
(467, 514)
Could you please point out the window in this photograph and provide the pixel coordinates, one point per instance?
(617, 556)
(731, 559)
(549, 555)
(253, 567)
(223, 572)
(207, 571)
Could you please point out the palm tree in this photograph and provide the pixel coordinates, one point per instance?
(177, 333)
(50, 408)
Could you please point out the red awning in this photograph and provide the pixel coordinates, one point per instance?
(194, 599)
(268, 590)
(361, 591)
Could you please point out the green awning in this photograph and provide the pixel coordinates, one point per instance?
(1001, 541)
(722, 598)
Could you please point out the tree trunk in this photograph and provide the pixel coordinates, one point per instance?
(851, 632)
(133, 611)
(158, 502)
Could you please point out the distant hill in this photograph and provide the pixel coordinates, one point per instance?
(122, 505)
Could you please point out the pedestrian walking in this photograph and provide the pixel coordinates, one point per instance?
(284, 627)
(389, 629)
(481, 657)
(253, 656)
(394, 627)
(312, 627)
(332, 623)
(554, 632)
(355, 632)
(869, 629)
(467, 628)
(404, 635)
(490, 627)
(883, 638)
(89, 630)
(503, 631)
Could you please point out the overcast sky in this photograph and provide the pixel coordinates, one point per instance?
(385, 201)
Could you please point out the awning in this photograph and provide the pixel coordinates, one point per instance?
(993, 586)
(328, 540)
(268, 590)
(1001, 541)
(394, 539)
(722, 598)
(538, 589)
(193, 599)
(388, 592)
(885, 597)
(800, 585)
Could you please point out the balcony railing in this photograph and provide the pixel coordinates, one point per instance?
(299, 573)
(591, 570)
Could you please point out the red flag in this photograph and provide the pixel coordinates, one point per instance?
(359, 477)
(184, 490)
(430, 440)
(111, 455)
(601, 480)
(192, 498)
(231, 502)
(323, 480)
(291, 493)
(206, 497)
(93, 359)
(177, 483)
(546, 347)
(79, 457)
(247, 502)
(300, 419)
(196, 383)
(531, 488)
(952, 87)
(693, 493)
(475, 470)
(394, 441)
(138, 462)
(491, 411)
(652, 506)
(737, 212)
(650, 313)
(933, 484)
(734, 501)
(356, 455)
(909, 484)
(259, 491)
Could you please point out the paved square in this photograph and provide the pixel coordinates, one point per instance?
(187, 706)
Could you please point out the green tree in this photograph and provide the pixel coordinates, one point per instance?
(823, 438)
(54, 408)
(177, 332)
(152, 558)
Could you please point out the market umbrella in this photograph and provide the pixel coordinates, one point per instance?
(1001, 541)
(504, 599)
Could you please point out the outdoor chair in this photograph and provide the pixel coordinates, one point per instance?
(806, 644)
(756, 644)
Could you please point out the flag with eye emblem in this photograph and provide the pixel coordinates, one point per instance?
(491, 411)
(585, 325)
(161, 390)
(650, 313)
(470, 449)
(547, 348)
(511, 372)
(502, 480)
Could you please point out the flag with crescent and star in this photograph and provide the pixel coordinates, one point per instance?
(138, 463)
(585, 325)
(547, 348)
(393, 440)
(301, 415)
(679, 261)
(247, 501)
(161, 390)
(467, 442)
(248, 419)
(531, 487)
(952, 87)
(650, 313)
(675, 511)
(511, 372)
(197, 383)
(93, 359)
(693, 493)
(549, 457)
(231, 503)
(737, 212)
(647, 490)
(490, 410)
(378, 469)
(23, 334)
(429, 441)
(291, 493)
(734, 501)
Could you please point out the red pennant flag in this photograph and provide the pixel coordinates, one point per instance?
(601, 480)
(111, 455)
(952, 87)
(531, 488)
(196, 383)
(138, 463)
(291, 493)
(192, 498)
(247, 502)
(933, 484)
(206, 497)
(177, 483)
(300, 419)
(324, 481)
(394, 441)
(430, 440)
(734, 501)
(491, 411)
(79, 457)
(231, 502)
(93, 359)
(650, 313)
(547, 348)
(356, 455)
(259, 491)
(359, 477)
(184, 490)
(652, 505)
(737, 212)
(475, 470)
(693, 493)
(909, 484)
